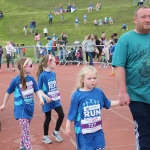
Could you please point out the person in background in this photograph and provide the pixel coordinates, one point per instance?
(90, 47)
(1, 54)
(88, 98)
(48, 85)
(31, 27)
(45, 31)
(124, 27)
(84, 47)
(23, 86)
(37, 37)
(50, 17)
(25, 29)
(131, 61)
(62, 18)
(112, 49)
(76, 22)
(1, 14)
(34, 25)
(10, 50)
(85, 18)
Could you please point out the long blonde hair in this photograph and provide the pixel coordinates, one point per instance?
(44, 63)
(20, 65)
(85, 70)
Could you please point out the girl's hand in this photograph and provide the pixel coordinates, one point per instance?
(41, 102)
(2, 107)
(68, 133)
(48, 100)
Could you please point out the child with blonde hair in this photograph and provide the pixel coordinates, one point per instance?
(23, 86)
(48, 84)
(85, 111)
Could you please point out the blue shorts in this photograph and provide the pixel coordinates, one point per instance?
(141, 116)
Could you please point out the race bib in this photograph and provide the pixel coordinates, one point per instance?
(54, 95)
(28, 93)
(91, 125)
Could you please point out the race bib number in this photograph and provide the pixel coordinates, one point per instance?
(28, 93)
(54, 95)
(91, 125)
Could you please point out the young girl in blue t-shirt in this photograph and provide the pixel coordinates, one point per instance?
(23, 86)
(85, 111)
(48, 84)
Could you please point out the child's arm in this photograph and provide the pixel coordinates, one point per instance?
(48, 100)
(39, 95)
(5, 101)
(115, 103)
(68, 128)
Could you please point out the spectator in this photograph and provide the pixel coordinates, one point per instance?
(111, 20)
(76, 22)
(1, 14)
(97, 42)
(68, 8)
(112, 49)
(39, 48)
(64, 37)
(33, 26)
(106, 20)
(140, 2)
(90, 8)
(85, 18)
(37, 37)
(98, 6)
(50, 44)
(25, 30)
(124, 27)
(73, 8)
(23, 49)
(76, 41)
(10, 50)
(54, 38)
(1, 53)
(50, 16)
(45, 31)
(84, 47)
(95, 22)
(90, 47)
(100, 22)
(62, 18)
(61, 45)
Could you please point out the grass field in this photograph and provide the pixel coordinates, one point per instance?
(18, 13)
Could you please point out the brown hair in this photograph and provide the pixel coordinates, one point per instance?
(20, 66)
(44, 63)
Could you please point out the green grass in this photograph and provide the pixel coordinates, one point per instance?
(18, 13)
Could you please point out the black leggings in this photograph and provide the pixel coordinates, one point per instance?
(60, 113)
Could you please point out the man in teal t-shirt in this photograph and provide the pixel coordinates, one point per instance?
(132, 69)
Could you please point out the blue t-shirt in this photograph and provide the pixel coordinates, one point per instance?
(112, 49)
(132, 52)
(50, 16)
(23, 99)
(85, 111)
(50, 44)
(47, 83)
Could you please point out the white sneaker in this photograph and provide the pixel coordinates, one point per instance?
(46, 140)
(57, 136)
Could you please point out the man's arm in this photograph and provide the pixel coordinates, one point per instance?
(121, 81)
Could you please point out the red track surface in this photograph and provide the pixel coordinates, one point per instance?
(117, 121)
